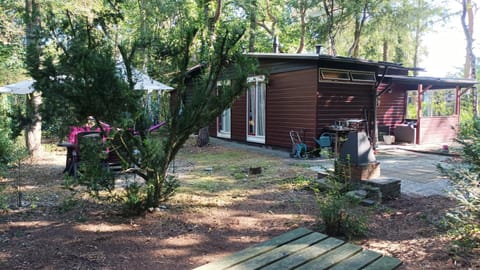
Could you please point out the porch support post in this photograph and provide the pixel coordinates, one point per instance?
(374, 118)
(458, 94)
(419, 112)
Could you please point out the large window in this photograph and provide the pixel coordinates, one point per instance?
(224, 120)
(438, 103)
(256, 96)
(435, 103)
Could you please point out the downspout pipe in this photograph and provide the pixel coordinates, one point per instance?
(375, 102)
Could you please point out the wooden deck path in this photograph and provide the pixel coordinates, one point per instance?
(304, 249)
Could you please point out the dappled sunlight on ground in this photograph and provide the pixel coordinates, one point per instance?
(30, 224)
(193, 239)
(103, 227)
(214, 213)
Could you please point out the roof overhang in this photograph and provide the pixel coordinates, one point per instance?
(412, 82)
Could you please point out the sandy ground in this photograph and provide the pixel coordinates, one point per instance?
(58, 229)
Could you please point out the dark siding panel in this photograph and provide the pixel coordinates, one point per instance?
(239, 110)
(291, 105)
(392, 108)
(338, 101)
(212, 128)
(272, 67)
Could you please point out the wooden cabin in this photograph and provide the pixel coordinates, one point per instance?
(309, 93)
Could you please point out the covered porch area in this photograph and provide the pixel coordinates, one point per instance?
(421, 110)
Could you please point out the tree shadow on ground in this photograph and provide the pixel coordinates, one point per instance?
(176, 238)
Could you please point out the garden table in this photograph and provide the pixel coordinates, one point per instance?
(304, 249)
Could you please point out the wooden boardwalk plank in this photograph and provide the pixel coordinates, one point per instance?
(330, 258)
(306, 255)
(280, 252)
(384, 263)
(255, 250)
(358, 261)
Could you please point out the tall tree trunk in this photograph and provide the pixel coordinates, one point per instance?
(253, 26)
(329, 9)
(470, 70)
(203, 136)
(468, 24)
(417, 40)
(359, 23)
(303, 29)
(385, 50)
(34, 129)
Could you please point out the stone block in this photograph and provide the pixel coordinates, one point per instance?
(365, 172)
(390, 188)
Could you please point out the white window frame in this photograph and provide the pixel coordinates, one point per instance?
(225, 119)
(259, 84)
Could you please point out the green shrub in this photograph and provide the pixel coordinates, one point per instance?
(69, 204)
(338, 216)
(339, 212)
(133, 200)
(10, 151)
(93, 172)
(464, 221)
(6, 148)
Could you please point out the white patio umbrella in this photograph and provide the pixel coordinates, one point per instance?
(19, 88)
(146, 83)
(142, 80)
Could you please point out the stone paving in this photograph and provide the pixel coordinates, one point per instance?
(415, 166)
(417, 171)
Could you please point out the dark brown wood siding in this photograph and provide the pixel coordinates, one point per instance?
(212, 128)
(291, 103)
(391, 106)
(239, 125)
(340, 101)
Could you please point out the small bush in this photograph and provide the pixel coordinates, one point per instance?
(338, 217)
(11, 152)
(170, 186)
(93, 169)
(337, 210)
(133, 200)
(6, 148)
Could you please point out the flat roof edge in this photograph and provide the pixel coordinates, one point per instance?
(433, 79)
(319, 57)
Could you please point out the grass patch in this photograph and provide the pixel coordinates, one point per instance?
(299, 182)
(229, 180)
